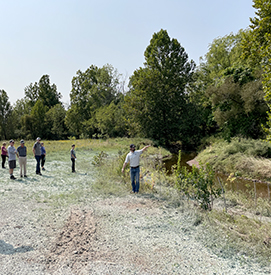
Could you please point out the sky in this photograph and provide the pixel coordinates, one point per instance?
(60, 37)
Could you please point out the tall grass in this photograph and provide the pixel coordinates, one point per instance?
(244, 157)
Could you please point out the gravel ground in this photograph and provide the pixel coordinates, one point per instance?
(46, 230)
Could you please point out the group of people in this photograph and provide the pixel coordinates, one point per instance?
(21, 152)
(39, 153)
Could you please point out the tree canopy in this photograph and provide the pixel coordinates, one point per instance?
(156, 103)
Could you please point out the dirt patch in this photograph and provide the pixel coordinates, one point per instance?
(74, 245)
(193, 162)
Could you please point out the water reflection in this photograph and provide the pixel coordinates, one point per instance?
(173, 160)
(239, 184)
(245, 185)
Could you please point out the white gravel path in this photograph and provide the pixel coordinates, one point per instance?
(134, 234)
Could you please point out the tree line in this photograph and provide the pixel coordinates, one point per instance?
(169, 99)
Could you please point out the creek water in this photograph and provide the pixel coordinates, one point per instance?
(250, 187)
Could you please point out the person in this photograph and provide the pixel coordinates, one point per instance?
(43, 154)
(22, 151)
(4, 153)
(73, 158)
(12, 153)
(133, 158)
(37, 154)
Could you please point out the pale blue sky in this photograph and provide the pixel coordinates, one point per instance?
(59, 37)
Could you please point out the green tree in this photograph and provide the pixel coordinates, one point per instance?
(91, 90)
(238, 104)
(43, 91)
(21, 108)
(230, 89)
(55, 122)
(110, 120)
(156, 102)
(5, 113)
(257, 49)
(38, 112)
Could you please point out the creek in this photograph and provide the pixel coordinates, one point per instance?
(250, 187)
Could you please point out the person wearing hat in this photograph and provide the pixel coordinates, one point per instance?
(12, 153)
(37, 154)
(133, 158)
(22, 151)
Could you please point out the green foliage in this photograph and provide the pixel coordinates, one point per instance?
(156, 103)
(238, 104)
(99, 159)
(38, 112)
(91, 90)
(256, 47)
(5, 114)
(55, 123)
(199, 184)
(43, 91)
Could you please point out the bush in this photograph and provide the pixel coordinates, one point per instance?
(199, 184)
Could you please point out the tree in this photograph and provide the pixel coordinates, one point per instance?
(257, 49)
(43, 91)
(156, 102)
(91, 90)
(5, 113)
(230, 89)
(38, 127)
(110, 120)
(238, 104)
(55, 122)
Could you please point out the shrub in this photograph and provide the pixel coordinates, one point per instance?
(199, 184)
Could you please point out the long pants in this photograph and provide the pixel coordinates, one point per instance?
(42, 160)
(22, 162)
(134, 173)
(38, 164)
(73, 164)
(4, 157)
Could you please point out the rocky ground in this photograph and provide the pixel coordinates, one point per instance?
(45, 230)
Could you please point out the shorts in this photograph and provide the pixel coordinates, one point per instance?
(12, 164)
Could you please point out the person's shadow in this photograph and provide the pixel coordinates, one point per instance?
(8, 249)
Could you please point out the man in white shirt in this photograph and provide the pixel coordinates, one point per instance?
(133, 158)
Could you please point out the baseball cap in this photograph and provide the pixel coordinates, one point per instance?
(132, 146)
(11, 141)
(22, 141)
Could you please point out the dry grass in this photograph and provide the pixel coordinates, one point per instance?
(258, 168)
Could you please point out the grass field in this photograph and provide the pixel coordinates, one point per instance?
(98, 177)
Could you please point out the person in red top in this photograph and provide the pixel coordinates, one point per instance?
(4, 153)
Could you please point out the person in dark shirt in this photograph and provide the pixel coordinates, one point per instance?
(37, 155)
(73, 158)
(22, 151)
(43, 154)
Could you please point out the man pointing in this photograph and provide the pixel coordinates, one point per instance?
(133, 158)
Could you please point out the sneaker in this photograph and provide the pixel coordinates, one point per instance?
(39, 173)
(43, 169)
(21, 176)
(12, 177)
(25, 176)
